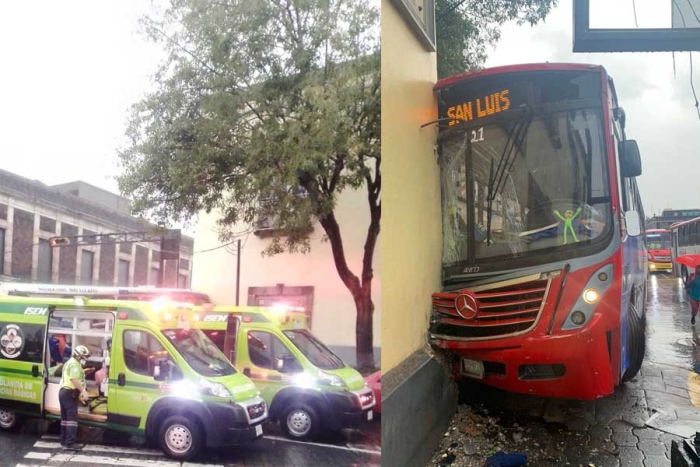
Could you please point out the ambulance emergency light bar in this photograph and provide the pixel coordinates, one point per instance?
(19, 288)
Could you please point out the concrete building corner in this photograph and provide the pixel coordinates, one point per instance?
(419, 394)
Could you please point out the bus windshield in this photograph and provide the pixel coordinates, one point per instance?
(313, 349)
(658, 240)
(509, 195)
(201, 354)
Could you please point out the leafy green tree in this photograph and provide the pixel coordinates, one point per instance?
(264, 111)
(465, 28)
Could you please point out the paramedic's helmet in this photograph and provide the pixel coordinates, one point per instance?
(81, 352)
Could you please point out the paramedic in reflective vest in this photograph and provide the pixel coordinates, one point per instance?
(72, 387)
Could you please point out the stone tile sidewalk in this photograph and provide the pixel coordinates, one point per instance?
(632, 427)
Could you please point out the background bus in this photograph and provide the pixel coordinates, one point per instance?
(685, 240)
(541, 216)
(115, 293)
(659, 250)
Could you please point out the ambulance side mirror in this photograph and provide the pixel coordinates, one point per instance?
(161, 370)
(287, 364)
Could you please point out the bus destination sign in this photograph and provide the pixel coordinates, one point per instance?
(479, 107)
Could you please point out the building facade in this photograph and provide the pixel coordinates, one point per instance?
(302, 280)
(669, 217)
(32, 212)
(418, 393)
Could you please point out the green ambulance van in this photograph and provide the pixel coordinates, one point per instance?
(151, 373)
(306, 386)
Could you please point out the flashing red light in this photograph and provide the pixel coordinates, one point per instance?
(247, 319)
(123, 315)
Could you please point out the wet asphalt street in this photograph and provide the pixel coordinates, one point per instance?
(37, 444)
(632, 427)
(670, 336)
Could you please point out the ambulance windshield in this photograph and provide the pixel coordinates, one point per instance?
(313, 349)
(201, 353)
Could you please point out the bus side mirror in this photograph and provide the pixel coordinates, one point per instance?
(633, 224)
(630, 159)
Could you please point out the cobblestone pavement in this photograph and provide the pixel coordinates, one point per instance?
(633, 427)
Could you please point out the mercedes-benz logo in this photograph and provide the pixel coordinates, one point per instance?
(467, 306)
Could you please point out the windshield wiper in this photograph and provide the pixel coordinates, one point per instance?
(505, 163)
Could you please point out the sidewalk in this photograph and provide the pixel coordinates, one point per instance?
(633, 427)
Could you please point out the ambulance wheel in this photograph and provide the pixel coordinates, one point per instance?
(9, 420)
(636, 342)
(300, 421)
(180, 438)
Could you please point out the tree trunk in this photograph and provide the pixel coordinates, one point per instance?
(361, 291)
(364, 333)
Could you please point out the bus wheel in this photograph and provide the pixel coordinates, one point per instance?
(300, 422)
(180, 438)
(9, 420)
(636, 342)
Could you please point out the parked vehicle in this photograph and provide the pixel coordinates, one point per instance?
(307, 387)
(374, 381)
(156, 375)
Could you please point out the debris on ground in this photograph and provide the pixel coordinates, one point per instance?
(478, 437)
(502, 459)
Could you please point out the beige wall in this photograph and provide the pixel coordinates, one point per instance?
(411, 222)
(334, 310)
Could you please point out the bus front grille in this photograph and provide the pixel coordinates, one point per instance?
(497, 310)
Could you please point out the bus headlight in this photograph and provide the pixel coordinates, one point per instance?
(590, 296)
(581, 311)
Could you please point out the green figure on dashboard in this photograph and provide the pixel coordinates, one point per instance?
(568, 220)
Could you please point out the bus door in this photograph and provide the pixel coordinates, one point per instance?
(22, 345)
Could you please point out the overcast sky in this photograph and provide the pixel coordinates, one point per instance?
(660, 108)
(71, 69)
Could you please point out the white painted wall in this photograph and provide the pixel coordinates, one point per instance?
(334, 314)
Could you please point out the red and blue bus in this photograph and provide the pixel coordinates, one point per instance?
(659, 250)
(544, 260)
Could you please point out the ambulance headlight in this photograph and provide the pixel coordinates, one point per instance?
(215, 389)
(304, 380)
(186, 389)
(327, 378)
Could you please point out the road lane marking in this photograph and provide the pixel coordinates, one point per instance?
(105, 460)
(101, 448)
(37, 455)
(333, 446)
